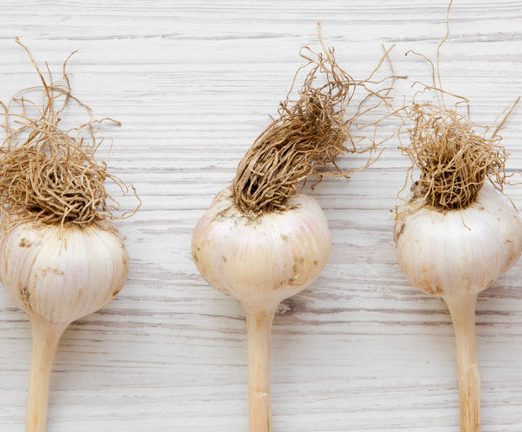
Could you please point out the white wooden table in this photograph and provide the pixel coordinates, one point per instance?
(193, 83)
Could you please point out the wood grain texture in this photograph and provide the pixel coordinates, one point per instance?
(193, 83)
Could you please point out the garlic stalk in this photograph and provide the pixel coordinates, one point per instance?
(61, 258)
(262, 241)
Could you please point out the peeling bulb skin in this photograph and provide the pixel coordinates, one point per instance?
(265, 260)
(459, 252)
(57, 275)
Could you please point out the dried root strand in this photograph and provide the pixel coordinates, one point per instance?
(47, 174)
(453, 160)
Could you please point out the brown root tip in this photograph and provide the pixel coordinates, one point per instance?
(453, 159)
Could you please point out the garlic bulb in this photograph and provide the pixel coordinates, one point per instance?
(264, 261)
(449, 253)
(261, 262)
(455, 254)
(58, 275)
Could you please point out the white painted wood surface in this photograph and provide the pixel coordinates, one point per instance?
(193, 83)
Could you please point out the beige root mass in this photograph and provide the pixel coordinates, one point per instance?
(453, 160)
(454, 156)
(48, 174)
(307, 136)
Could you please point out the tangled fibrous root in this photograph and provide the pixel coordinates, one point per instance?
(453, 160)
(307, 136)
(454, 156)
(47, 174)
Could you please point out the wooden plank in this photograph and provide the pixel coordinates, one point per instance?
(193, 83)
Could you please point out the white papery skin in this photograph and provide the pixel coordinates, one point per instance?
(461, 251)
(61, 275)
(265, 261)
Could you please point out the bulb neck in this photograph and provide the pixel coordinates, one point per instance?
(259, 330)
(45, 343)
(462, 310)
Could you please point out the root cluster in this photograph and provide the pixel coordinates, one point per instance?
(306, 138)
(453, 160)
(454, 156)
(48, 174)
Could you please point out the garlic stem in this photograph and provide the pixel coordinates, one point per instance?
(259, 329)
(462, 310)
(45, 343)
